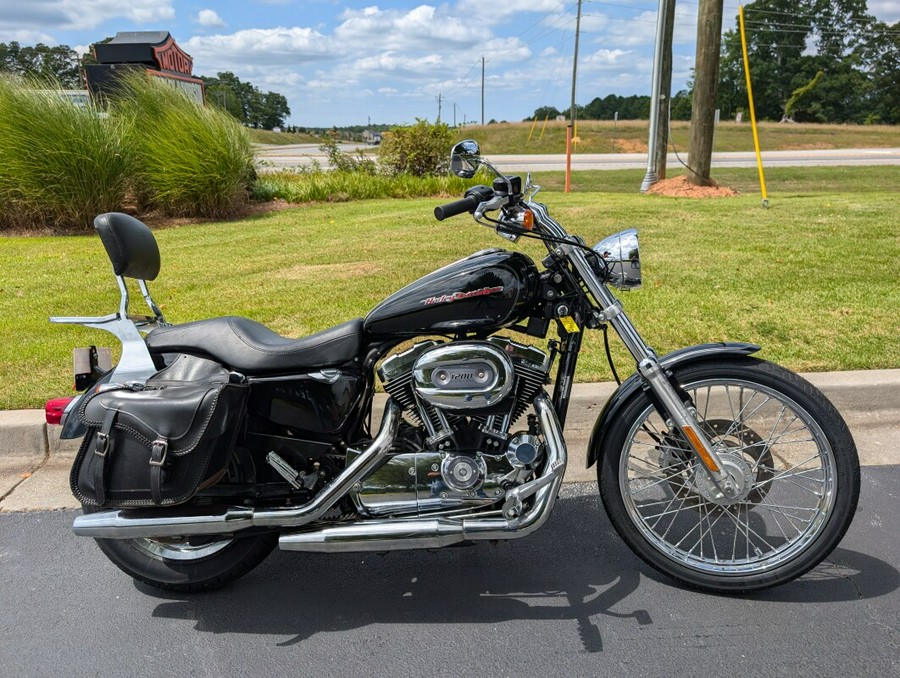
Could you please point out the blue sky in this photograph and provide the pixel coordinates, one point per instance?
(343, 63)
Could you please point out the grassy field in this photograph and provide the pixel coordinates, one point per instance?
(630, 136)
(779, 180)
(261, 136)
(813, 279)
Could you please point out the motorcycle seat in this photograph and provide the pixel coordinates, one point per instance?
(249, 347)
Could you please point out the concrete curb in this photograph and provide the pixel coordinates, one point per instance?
(34, 463)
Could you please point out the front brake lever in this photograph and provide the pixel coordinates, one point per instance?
(494, 203)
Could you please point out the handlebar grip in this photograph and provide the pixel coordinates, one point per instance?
(467, 204)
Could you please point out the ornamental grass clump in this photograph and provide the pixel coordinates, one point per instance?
(190, 160)
(60, 164)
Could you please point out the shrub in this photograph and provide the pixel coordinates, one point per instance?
(60, 164)
(344, 162)
(421, 150)
(189, 159)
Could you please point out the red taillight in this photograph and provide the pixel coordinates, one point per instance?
(54, 409)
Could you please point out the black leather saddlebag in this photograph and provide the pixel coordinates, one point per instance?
(158, 445)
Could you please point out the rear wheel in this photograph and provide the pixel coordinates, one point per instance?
(188, 565)
(195, 563)
(786, 447)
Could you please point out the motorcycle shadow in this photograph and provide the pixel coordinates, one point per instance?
(575, 568)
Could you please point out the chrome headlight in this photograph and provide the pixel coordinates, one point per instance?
(621, 254)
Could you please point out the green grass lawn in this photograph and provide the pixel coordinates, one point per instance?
(261, 136)
(814, 279)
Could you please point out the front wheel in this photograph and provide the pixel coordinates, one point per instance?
(786, 446)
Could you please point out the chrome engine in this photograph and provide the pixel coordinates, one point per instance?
(456, 448)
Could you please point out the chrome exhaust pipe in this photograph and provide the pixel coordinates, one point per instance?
(380, 535)
(187, 522)
(393, 535)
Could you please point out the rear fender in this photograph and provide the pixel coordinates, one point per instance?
(635, 383)
(72, 425)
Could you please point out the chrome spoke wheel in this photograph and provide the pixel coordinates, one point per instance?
(775, 450)
(179, 549)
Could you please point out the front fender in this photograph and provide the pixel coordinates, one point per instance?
(635, 383)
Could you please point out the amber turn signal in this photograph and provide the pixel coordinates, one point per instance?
(528, 220)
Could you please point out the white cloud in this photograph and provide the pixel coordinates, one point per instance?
(501, 13)
(423, 27)
(885, 10)
(605, 60)
(209, 18)
(81, 14)
(26, 37)
(258, 46)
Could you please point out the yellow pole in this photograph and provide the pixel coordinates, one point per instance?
(759, 165)
(544, 126)
(532, 128)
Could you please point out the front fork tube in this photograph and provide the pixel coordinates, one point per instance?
(678, 413)
(682, 417)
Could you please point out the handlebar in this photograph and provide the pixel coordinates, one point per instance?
(474, 197)
(468, 204)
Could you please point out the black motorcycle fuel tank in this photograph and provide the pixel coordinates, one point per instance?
(481, 293)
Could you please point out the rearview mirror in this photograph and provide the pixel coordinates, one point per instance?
(464, 158)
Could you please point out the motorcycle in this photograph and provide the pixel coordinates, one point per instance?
(211, 442)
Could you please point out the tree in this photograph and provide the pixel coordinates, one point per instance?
(793, 104)
(544, 112)
(880, 58)
(275, 110)
(246, 102)
(681, 105)
(49, 63)
(790, 41)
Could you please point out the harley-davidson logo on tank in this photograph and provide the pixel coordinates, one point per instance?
(458, 296)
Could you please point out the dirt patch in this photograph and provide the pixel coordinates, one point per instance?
(630, 146)
(157, 221)
(153, 219)
(680, 188)
(351, 269)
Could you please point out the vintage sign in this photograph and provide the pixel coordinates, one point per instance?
(152, 51)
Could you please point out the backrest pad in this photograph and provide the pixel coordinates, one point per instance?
(131, 247)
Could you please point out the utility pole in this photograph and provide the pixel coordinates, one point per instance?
(482, 91)
(570, 130)
(454, 115)
(660, 96)
(706, 76)
(439, 107)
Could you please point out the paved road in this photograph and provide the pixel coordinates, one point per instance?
(280, 157)
(570, 600)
